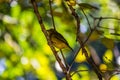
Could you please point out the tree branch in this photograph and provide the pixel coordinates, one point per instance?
(104, 17)
(51, 11)
(89, 60)
(87, 19)
(46, 35)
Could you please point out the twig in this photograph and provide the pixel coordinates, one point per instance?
(104, 17)
(65, 71)
(77, 72)
(109, 28)
(83, 43)
(108, 70)
(113, 63)
(95, 26)
(116, 73)
(86, 19)
(51, 11)
(90, 61)
(107, 18)
(67, 66)
(116, 34)
(77, 33)
(46, 35)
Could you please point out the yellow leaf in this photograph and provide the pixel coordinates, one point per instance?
(115, 77)
(58, 2)
(108, 56)
(95, 35)
(109, 43)
(81, 56)
(71, 2)
(103, 67)
(84, 74)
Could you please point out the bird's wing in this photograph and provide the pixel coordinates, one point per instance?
(61, 38)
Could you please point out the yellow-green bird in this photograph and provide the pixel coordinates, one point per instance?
(58, 40)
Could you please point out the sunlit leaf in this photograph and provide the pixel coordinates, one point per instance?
(115, 77)
(103, 67)
(58, 2)
(83, 73)
(110, 36)
(26, 18)
(81, 56)
(45, 73)
(108, 56)
(47, 50)
(5, 48)
(15, 11)
(5, 74)
(71, 2)
(16, 71)
(42, 59)
(14, 58)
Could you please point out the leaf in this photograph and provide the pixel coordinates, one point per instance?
(71, 2)
(81, 56)
(87, 6)
(95, 35)
(116, 34)
(115, 77)
(103, 67)
(108, 56)
(109, 43)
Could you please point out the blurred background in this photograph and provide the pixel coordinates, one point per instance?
(25, 55)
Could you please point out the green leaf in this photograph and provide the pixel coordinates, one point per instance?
(87, 6)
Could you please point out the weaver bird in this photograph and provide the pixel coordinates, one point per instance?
(57, 39)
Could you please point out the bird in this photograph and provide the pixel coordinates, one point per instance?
(57, 39)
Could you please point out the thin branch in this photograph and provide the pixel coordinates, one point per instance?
(113, 63)
(65, 71)
(95, 26)
(108, 70)
(46, 35)
(83, 43)
(107, 18)
(104, 17)
(77, 72)
(72, 62)
(109, 28)
(65, 62)
(51, 11)
(116, 34)
(90, 60)
(87, 19)
(78, 31)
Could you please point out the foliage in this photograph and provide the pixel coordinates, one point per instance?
(25, 55)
